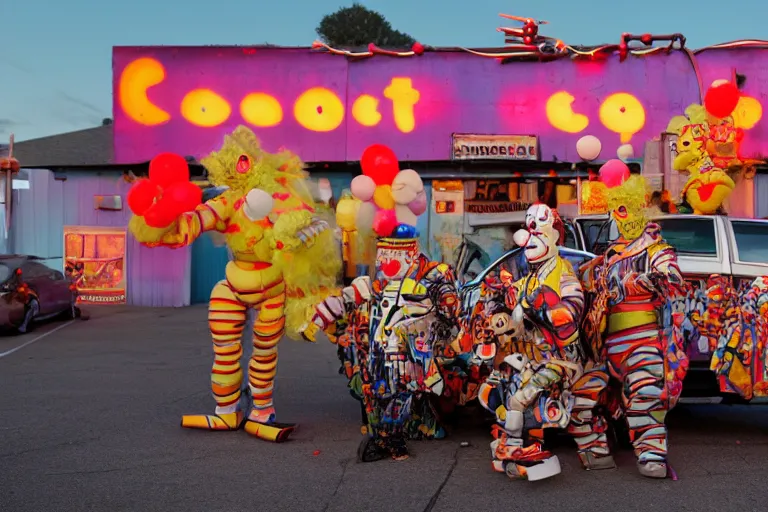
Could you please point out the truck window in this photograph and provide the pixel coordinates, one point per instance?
(591, 230)
(691, 237)
(751, 241)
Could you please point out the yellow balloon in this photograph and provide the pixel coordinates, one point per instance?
(747, 113)
(382, 196)
(346, 213)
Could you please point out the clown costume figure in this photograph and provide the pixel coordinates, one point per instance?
(630, 323)
(397, 323)
(546, 308)
(284, 263)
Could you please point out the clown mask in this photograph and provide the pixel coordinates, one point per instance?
(541, 234)
(627, 206)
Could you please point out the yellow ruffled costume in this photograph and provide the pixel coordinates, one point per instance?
(284, 264)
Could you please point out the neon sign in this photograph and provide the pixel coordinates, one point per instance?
(621, 113)
(317, 109)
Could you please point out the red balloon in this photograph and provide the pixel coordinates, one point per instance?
(384, 222)
(183, 196)
(160, 215)
(380, 164)
(142, 196)
(721, 101)
(168, 168)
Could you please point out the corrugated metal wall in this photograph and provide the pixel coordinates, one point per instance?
(156, 277)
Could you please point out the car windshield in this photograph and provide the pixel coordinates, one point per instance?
(516, 263)
(577, 259)
(751, 241)
(690, 236)
(5, 272)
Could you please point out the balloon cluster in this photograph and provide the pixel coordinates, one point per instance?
(166, 194)
(391, 199)
(722, 98)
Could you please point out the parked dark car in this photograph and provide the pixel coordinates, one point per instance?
(30, 292)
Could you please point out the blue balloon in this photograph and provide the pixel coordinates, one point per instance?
(405, 231)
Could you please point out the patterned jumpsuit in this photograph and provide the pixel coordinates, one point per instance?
(633, 280)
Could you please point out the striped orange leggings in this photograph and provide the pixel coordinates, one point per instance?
(227, 316)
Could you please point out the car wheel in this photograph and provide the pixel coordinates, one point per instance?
(30, 312)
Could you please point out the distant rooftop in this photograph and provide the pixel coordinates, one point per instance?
(86, 148)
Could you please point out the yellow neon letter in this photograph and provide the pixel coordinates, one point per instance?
(404, 97)
(365, 110)
(136, 78)
(622, 113)
(560, 113)
(319, 110)
(205, 108)
(261, 110)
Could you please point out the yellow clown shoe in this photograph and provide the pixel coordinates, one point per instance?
(274, 432)
(227, 422)
(261, 424)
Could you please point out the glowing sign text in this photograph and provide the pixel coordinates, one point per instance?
(316, 109)
(137, 77)
(621, 113)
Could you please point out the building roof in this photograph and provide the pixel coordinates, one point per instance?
(83, 148)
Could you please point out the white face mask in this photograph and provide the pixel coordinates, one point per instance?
(539, 238)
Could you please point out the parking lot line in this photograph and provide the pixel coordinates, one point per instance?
(33, 340)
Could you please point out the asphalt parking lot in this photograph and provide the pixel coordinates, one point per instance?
(90, 421)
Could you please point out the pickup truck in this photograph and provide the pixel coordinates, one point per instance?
(706, 245)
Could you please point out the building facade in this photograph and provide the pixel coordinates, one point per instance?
(505, 130)
(488, 135)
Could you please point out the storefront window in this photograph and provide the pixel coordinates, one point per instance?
(751, 241)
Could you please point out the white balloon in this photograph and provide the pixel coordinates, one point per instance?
(365, 214)
(405, 215)
(588, 148)
(406, 186)
(625, 152)
(258, 204)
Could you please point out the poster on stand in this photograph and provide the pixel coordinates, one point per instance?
(94, 259)
(592, 197)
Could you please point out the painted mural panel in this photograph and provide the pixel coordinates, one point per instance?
(327, 108)
(94, 258)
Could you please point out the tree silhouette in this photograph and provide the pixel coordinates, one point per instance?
(358, 26)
